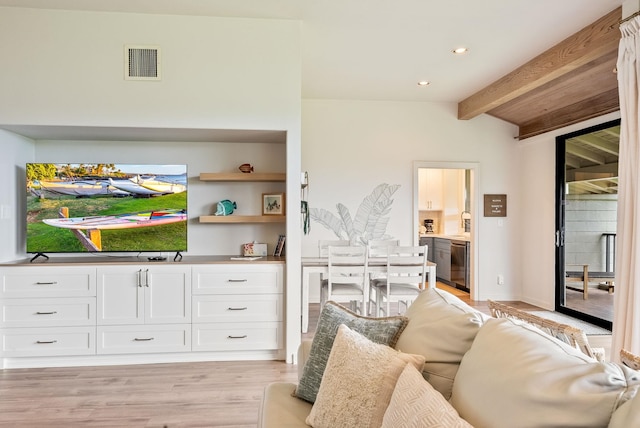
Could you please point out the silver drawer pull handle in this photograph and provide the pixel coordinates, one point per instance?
(237, 280)
(46, 342)
(237, 309)
(46, 283)
(143, 339)
(237, 337)
(46, 313)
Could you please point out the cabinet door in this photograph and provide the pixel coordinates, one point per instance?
(120, 295)
(430, 189)
(167, 295)
(443, 258)
(430, 249)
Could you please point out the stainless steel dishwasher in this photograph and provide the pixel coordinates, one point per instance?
(460, 264)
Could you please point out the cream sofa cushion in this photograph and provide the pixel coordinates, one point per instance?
(627, 415)
(358, 382)
(281, 409)
(516, 375)
(441, 328)
(416, 404)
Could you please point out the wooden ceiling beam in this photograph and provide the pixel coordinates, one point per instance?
(596, 106)
(584, 46)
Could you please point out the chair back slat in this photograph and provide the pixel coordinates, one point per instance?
(323, 245)
(380, 247)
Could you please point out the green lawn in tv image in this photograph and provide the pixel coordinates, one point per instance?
(44, 238)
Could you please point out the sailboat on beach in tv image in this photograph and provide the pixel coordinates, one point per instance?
(106, 208)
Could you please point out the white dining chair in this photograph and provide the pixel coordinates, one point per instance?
(378, 248)
(405, 277)
(347, 279)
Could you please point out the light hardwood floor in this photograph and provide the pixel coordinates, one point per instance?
(209, 394)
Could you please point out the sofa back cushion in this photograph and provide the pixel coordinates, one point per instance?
(516, 375)
(441, 328)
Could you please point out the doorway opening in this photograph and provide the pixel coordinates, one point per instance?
(445, 212)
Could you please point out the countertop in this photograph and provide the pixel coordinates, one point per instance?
(445, 236)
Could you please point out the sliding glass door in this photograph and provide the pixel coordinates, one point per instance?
(586, 210)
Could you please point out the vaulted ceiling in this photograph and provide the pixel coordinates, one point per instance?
(573, 81)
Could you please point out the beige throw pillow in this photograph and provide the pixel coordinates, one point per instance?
(358, 382)
(416, 404)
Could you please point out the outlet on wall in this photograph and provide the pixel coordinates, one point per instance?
(500, 279)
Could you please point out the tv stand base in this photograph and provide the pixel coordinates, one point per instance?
(39, 255)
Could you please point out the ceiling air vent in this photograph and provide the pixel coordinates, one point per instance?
(141, 62)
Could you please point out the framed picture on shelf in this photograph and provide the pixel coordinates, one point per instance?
(279, 246)
(273, 204)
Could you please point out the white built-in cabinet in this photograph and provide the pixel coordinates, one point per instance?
(203, 311)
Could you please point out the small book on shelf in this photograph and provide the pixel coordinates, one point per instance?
(279, 250)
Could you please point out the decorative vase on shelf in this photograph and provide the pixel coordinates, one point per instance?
(246, 168)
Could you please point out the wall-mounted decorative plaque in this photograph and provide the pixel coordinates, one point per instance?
(495, 205)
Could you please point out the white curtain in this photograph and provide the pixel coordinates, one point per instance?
(626, 319)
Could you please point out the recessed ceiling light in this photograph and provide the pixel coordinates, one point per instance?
(460, 51)
(424, 83)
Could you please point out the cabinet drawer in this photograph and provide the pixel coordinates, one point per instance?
(48, 282)
(237, 336)
(234, 308)
(47, 342)
(70, 311)
(124, 339)
(237, 279)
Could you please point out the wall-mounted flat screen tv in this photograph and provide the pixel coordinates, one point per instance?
(98, 208)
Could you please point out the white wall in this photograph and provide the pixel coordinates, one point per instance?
(349, 147)
(537, 187)
(66, 67)
(12, 176)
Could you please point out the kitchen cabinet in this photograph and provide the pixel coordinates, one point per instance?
(428, 241)
(442, 249)
(431, 189)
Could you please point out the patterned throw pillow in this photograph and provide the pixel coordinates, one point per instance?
(359, 382)
(384, 331)
(416, 404)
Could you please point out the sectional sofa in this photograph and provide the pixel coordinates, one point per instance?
(473, 370)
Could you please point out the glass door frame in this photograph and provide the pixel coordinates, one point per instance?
(560, 217)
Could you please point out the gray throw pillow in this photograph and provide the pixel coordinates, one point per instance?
(384, 331)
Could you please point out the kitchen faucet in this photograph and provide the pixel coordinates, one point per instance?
(465, 220)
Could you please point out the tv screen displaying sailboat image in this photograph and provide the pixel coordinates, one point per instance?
(76, 208)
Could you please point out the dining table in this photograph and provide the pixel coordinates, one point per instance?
(320, 265)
